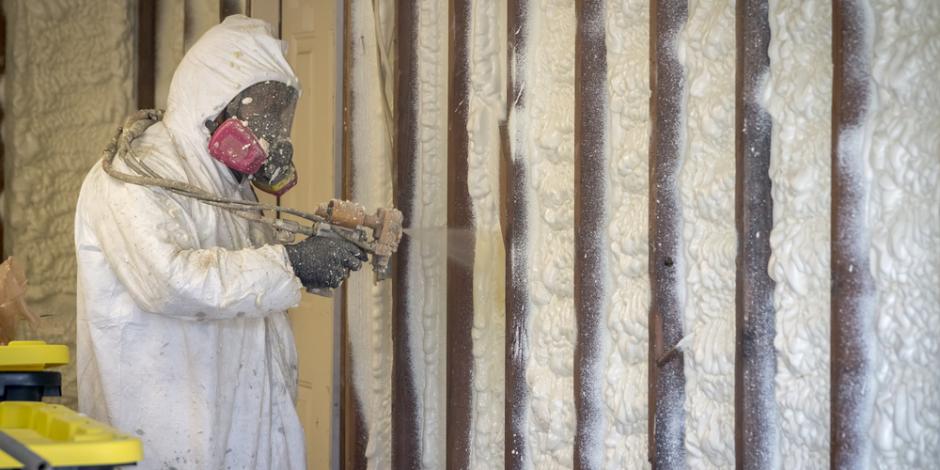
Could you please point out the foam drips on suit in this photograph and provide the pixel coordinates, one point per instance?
(183, 338)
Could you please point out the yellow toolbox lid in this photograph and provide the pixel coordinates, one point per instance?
(32, 355)
(8, 463)
(63, 437)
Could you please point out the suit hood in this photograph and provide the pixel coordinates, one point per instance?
(228, 58)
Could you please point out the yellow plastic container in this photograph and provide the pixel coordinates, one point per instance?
(65, 438)
(24, 356)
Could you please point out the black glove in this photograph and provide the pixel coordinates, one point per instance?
(322, 262)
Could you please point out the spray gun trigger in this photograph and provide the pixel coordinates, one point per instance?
(285, 230)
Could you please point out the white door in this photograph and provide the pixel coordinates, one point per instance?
(309, 27)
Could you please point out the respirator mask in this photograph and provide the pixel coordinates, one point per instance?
(252, 136)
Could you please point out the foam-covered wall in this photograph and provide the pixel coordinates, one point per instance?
(902, 168)
(798, 97)
(371, 79)
(901, 158)
(628, 90)
(486, 110)
(369, 305)
(706, 186)
(428, 281)
(70, 81)
(549, 156)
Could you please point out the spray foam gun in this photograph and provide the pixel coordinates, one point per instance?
(345, 220)
(349, 221)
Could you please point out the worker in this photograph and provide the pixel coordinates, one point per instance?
(183, 339)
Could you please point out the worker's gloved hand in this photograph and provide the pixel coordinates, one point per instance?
(322, 262)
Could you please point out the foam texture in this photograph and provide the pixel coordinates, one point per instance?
(550, 157)
(369, 304)
(487, 108)
(900, 146)
(428, 301)
(903, 172)
(709, 246)
(625, 378)
(798, 97)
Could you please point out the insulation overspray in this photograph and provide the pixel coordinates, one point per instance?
(592, 248)
(518, 301)
(666, 261)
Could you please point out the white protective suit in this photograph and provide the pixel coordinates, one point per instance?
(183, 338)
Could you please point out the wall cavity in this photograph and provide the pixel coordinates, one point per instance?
(550, 159)
(707, 181)
(799, 99)
(487, 110)
(902, 167)
(625, 377)
(428, 279)
(369, 304)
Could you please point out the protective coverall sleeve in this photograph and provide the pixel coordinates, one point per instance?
(150, 242)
